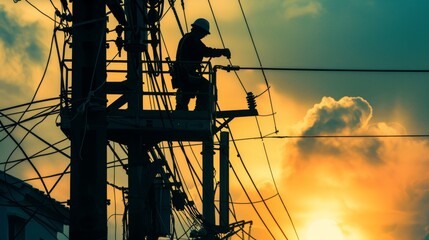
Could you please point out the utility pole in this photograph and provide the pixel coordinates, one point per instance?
(88, 194)
(224, 181)
(140, 174)
(208, 187)
(89, 123)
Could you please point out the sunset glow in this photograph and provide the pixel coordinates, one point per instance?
(323, 229)
(345, 153)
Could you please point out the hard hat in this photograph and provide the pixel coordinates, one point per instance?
(203, 24)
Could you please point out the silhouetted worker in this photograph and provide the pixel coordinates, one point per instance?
(189, 56)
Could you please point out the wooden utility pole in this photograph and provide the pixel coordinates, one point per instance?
(88, 194)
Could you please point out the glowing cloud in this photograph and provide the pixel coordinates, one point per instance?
(331, 116)
(347, 116)
(371, 188)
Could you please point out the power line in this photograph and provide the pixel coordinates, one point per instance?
(349, 136)
(335, 136)
(257, 191)
(40, 11)
(327, 136)
(254, 202)
(224, 46)
(274, 181)
(336, 69)
(271, 104)
(260, 64)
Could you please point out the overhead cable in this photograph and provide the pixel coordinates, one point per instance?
(301, 69)
(257, 190)
(260, 64)
(352, 136)
(274, 181)
(224, 46)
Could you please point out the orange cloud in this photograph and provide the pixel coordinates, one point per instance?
(373, 188)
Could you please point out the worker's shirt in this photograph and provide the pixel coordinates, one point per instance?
(192, 50)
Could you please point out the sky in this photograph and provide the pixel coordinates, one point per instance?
(334, 188)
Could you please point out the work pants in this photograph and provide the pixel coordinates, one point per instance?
(197, 86)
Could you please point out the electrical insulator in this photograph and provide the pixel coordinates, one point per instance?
(251, 102)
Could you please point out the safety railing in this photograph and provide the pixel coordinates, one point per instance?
(152, 88)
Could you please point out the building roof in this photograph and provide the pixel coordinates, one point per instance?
(17, 193)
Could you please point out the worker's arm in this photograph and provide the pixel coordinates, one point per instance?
(215, 52)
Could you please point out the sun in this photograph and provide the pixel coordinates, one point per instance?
(324, 229)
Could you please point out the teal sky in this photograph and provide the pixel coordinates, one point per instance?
(351, 35)
(333, 34)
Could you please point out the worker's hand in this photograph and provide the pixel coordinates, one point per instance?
(226, 53)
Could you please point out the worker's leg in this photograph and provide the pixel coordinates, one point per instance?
(183, 97)
(182, 100)
(203, 86)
